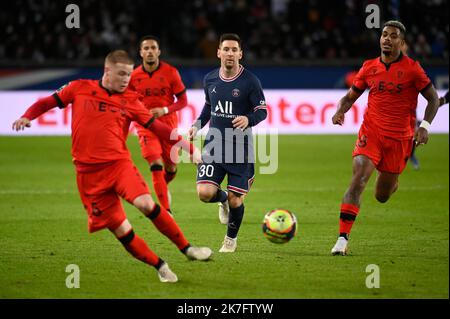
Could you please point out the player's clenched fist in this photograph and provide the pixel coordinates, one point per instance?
(421, 136)
(338, 118)
(21, 123)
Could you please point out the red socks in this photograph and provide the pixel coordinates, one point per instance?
(160, 185)
(167, 226)
(347, 218)
(137, 247)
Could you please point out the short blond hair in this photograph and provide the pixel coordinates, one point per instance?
(119, 56)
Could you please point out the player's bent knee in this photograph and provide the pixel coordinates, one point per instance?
(144, 203)
(205, 196)
(206, 193)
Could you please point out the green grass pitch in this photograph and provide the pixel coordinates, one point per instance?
(43, 228)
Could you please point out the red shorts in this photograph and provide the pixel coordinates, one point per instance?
(153, 148)
(100, 191)
(389, 155)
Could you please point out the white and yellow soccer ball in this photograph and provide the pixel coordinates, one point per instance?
(279, 226)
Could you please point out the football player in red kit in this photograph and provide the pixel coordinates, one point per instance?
(102, 111)
(386, 136)
(159, 83)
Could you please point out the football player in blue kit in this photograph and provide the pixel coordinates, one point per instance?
(234, 103)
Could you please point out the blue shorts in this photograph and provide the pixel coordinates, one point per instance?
(240, 175)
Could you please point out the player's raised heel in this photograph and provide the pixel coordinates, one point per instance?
(340, 248)
(165, 274)
(224, 212)
(228, 245)
(199, 253)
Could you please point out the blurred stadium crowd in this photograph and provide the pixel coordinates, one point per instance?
(272, 30)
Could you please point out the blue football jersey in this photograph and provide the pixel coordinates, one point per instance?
(226, 99)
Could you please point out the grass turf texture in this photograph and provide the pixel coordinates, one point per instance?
(43, 229)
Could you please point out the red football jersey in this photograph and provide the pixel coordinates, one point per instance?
(159, 88)
(394, 89)
(100, 120)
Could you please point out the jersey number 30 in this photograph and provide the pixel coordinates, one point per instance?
(207, 170)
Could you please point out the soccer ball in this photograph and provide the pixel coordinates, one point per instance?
(279, 226)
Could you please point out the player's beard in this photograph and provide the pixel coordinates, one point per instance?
(386, 53)
(229, 66)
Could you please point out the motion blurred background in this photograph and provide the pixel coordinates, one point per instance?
(287, 43)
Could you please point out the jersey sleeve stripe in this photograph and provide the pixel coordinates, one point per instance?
(357, 89)
(58, 100)
(426, 87)
(260, 107)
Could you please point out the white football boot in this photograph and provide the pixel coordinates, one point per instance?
(198, 253)
(340, 248)
(224, 211)
(228, 245)
(166, 275)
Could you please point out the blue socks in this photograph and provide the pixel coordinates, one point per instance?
(221, 196)
(234, 223)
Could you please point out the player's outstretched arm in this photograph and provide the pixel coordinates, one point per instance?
(430, 94)
(35, 110)
(21, 123)
(181, 102)
(344, 105)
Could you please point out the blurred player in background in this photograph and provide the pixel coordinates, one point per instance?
(386, 137)
(234, 103)
(159, 83)
(102, 111)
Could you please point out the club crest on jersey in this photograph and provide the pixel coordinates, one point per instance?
(235, 92)
(226, 109)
